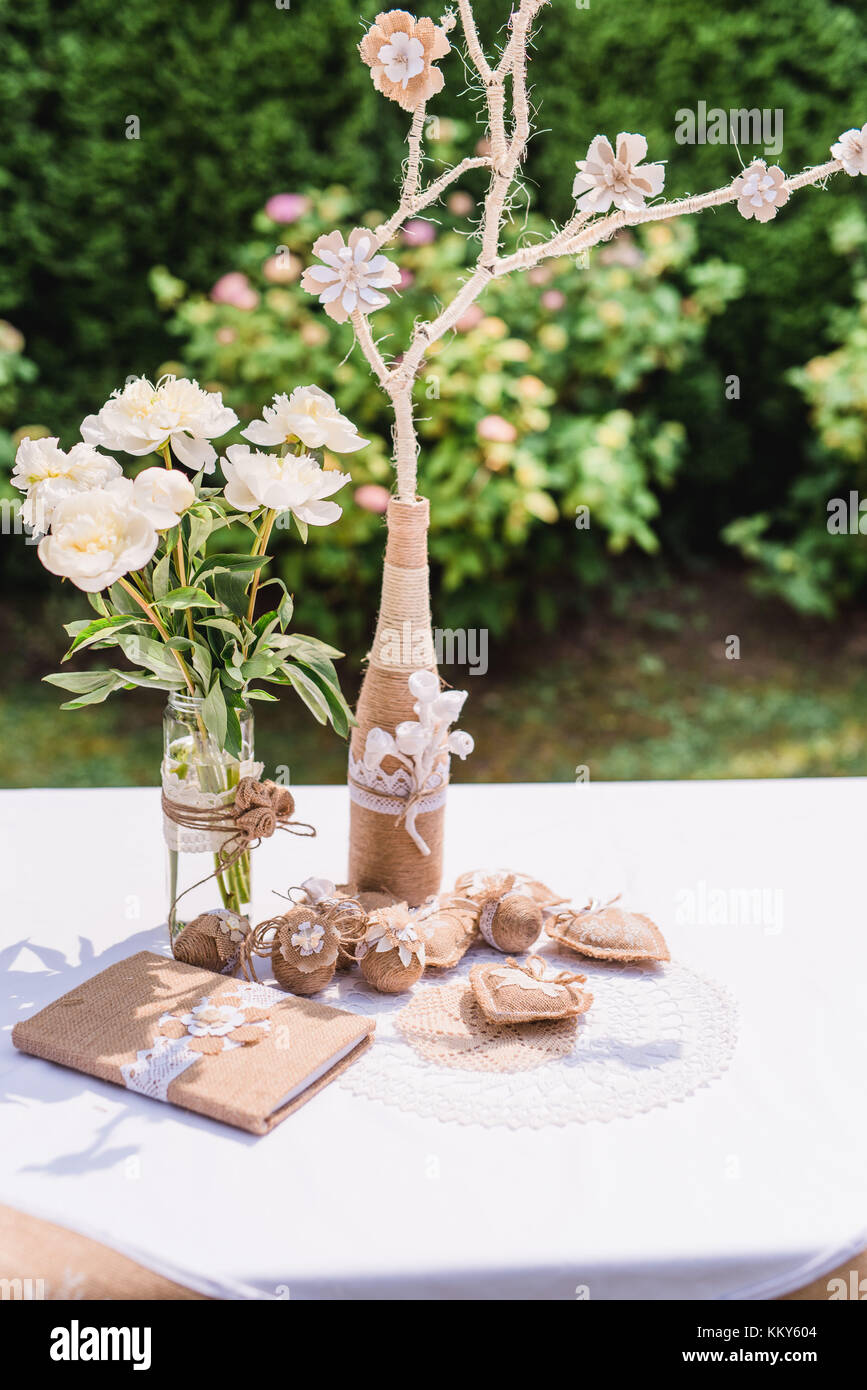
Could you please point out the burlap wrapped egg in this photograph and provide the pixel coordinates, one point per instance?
(212, 941)
(392, 951)
(606, 931)
(344, 910)
(303, 946)
(510, 907)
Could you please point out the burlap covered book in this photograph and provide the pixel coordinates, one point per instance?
(237, 1052)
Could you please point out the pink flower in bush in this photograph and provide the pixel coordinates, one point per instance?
(418, 233)
(469, 318)
(286, 207)
(235, 289)
(225, 336)
(372, 497)
(282, 268)
(406, 279)
(496, 430)
(553, 299)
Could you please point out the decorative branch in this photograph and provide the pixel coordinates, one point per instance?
(402, 53)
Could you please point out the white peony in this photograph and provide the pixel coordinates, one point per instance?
(142, 418)
(309, 415)
(48, 474)
(851, 150)
(292, 484)
(163, 495)
(96, 537)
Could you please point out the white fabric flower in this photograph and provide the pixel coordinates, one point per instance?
(309, 415)
(377, 746)
(142, 417)
(461, 743)
(851, 150)
(411, 737)
(605, 178)
(291, 484)
(96, 537)
(352, 274)
(48, 474)
(402, 57)
(162, 494)
(424, 685)
(448, 705)
(213, 1020)
(318, 888)
(760, 191)
(308, 938)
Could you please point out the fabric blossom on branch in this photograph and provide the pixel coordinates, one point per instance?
(400, 51)
(851, 150)
(352, 274)
(604, 177)
(761, 191)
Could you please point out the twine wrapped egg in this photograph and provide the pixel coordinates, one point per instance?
(510, 907)
(303, 946)
(392, 952)
(212, 941)
(344, 910)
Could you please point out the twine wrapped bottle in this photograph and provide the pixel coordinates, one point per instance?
(382, 855)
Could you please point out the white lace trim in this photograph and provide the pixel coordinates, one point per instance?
(186, 790)
(652, 1037)
(157, 1066)
(392, 805)
(394, 784)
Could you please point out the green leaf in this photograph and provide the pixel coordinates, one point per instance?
(232, 740)
(98, 602)
(261, 665)
(201, 526)
(78, 681)
(214, 713)
(231, 590)
(302, 527)
(122, 601)
(309, 692)
(188, 598)
(222, 625)
(139, 678)
(298, 642)
(261, 695)
(99, 629)
(162, 577)
(154, 655)
(241, 564)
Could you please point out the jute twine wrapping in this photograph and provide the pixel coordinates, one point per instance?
(531, 995)
(381, 853)
(342, 925)
(259, 808)
(213, 941)
(608, 932)
(383, 968)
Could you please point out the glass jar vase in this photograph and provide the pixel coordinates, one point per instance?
(199, 775)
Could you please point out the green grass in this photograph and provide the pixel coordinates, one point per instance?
(644, 692)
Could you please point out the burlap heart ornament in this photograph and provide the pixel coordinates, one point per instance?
(608, 932)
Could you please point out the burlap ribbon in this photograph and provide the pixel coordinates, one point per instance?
(258, 810)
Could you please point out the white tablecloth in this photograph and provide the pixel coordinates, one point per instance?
(750, 1187)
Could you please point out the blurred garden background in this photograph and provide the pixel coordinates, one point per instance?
(605, 386)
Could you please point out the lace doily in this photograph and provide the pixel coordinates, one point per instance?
(186, 790)
(653, 1035)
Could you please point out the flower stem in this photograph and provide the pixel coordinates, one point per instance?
(152, 617)
(259, 549)
(179, 551)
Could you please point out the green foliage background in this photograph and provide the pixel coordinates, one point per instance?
(240, 100)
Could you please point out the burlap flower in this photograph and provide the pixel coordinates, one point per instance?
(760, 191)
(400, 51)
(352, 275)
(851, 150)
(211, 1027)
(604, 177)
(309, 942)
(394, 929)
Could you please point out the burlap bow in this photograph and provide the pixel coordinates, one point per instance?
(257, 811)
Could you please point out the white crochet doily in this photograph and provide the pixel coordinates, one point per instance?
(653, 1035)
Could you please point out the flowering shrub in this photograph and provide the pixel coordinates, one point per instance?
(534, 421)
